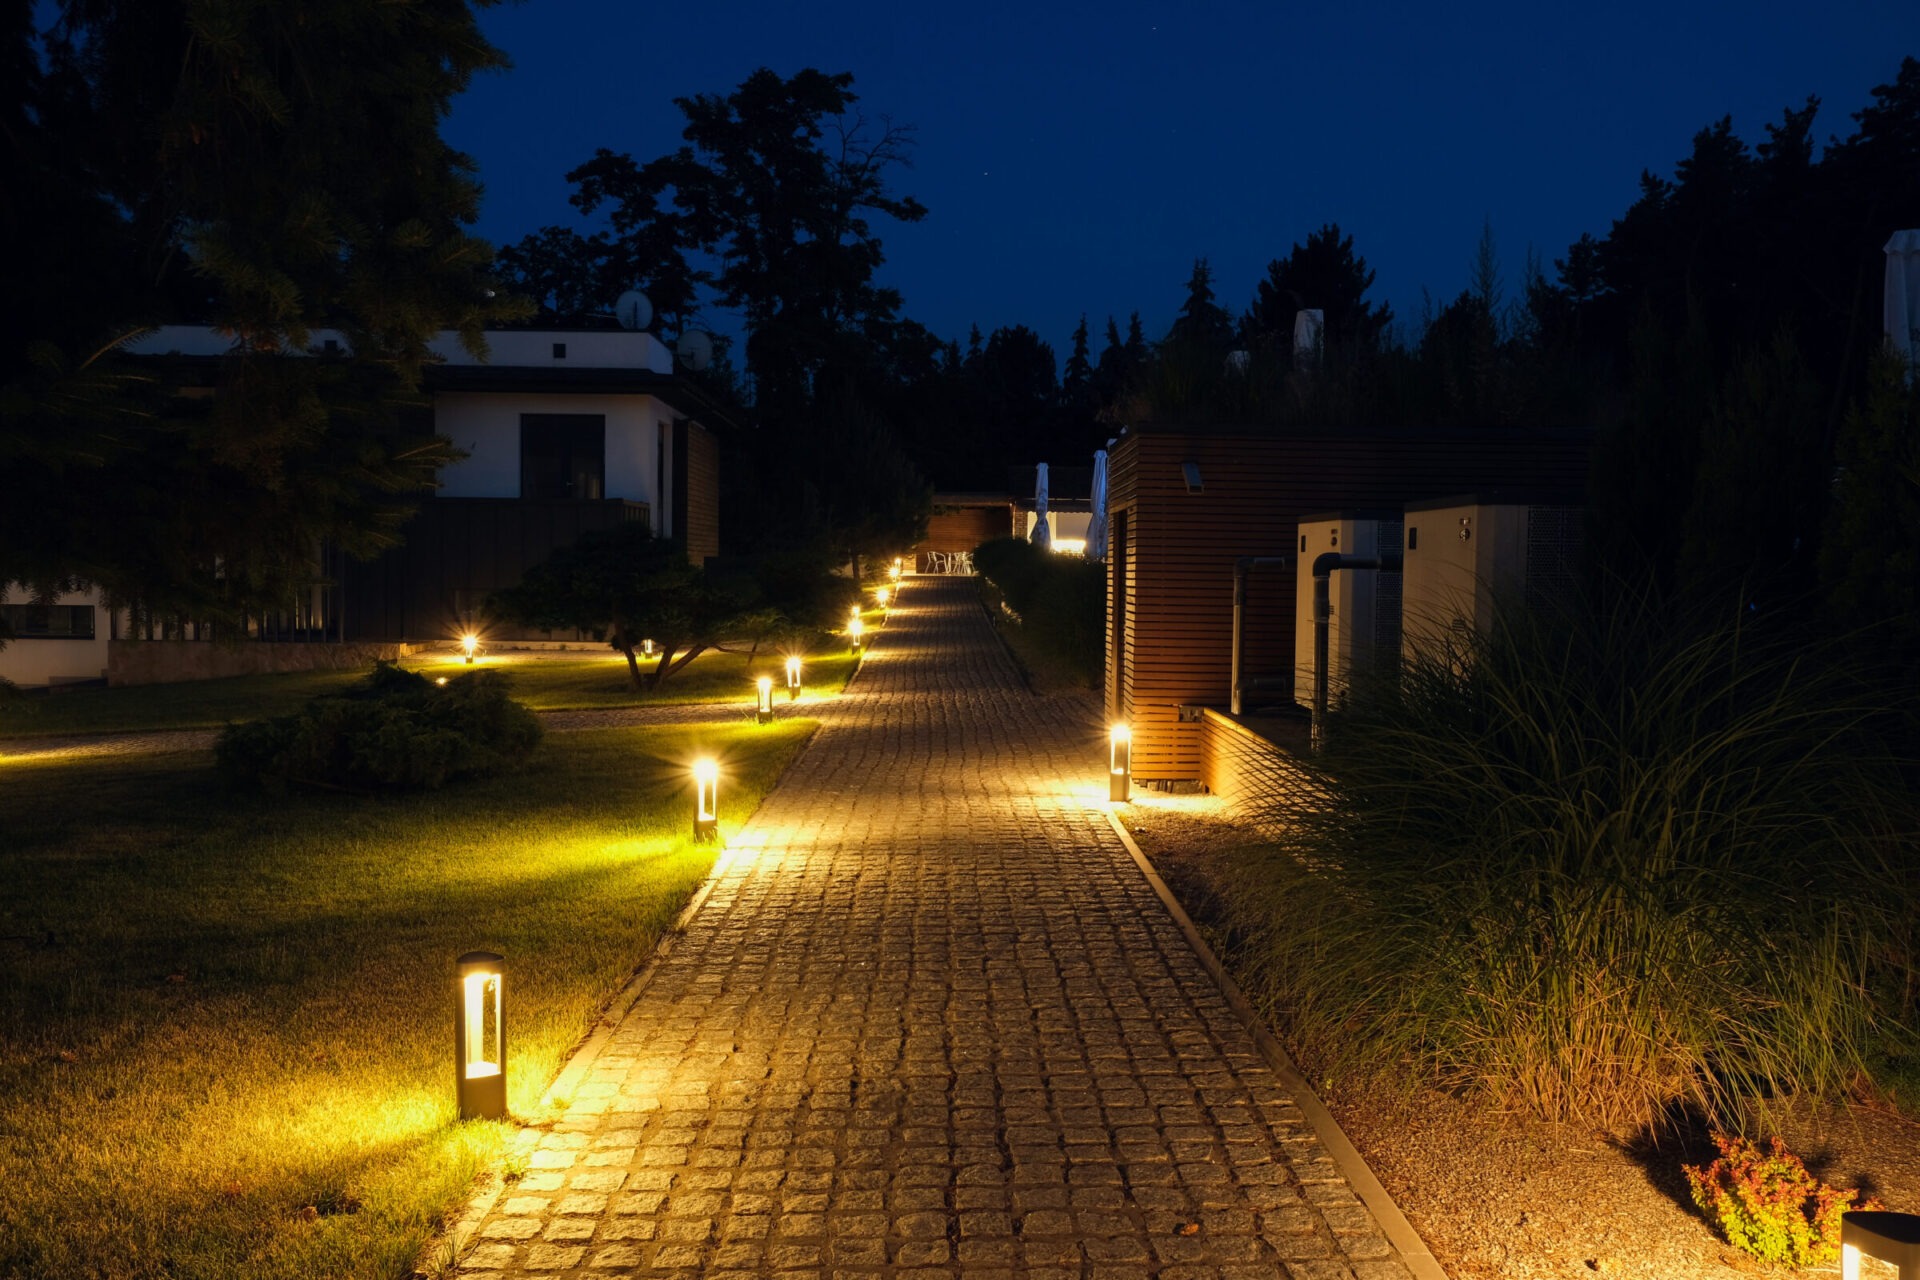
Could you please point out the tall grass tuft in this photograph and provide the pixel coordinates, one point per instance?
(1593, 864)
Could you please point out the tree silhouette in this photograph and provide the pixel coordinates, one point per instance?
(1322, 274)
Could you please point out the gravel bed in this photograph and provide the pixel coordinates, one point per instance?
(1505, 1198)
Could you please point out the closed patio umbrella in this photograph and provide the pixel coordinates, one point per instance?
(1902, 307)
(1097, 523)
(1042, 535)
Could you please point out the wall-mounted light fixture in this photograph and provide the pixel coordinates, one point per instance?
(793, 678)
(480, 1038)
(764, 711)
(1119, 762)
(706, 801)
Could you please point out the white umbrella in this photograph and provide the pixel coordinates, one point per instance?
(1097, 523)
(1042, 534)
(1902, 309)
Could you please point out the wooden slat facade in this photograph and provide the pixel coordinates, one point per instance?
(1170, 583)
(696, 490)
(964, 525)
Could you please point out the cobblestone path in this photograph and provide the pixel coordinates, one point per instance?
(932, 1021)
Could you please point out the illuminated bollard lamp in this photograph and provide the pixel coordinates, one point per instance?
(793, 678)
(894, 571)
(763, 710)
(706, 801)
(646, 648)
(480, 1038)
(856, 629)
(1119, 762)
(1893, 1238)
(881, 597)
(468, 643)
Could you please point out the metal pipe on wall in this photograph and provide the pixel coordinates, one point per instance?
(1241, 568)
(1324, 567)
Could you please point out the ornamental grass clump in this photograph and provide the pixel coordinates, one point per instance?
(1594, 864)
(394, 731)
(1768, 1205)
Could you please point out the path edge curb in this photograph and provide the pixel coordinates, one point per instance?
(1353, 1166)
(459, 1236)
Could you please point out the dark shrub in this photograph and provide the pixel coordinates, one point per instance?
(1061, 600)
(394, 731)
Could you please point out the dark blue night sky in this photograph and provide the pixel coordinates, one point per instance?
(1079, 159)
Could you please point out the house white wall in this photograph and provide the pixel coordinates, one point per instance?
(486, 426)
(31, 663)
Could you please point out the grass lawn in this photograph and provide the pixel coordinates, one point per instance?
(545, 684)
(217, 1010)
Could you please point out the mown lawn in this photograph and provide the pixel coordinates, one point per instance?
(219, 1010)
(545, 684)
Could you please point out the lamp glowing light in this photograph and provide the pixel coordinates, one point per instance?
(856, 629)
(480, 1038)
(793, 678)
(440, 680)
(881, 597)
(893, 571)
(1119, 762)
(468, 643)
(706, 801)
(764, 711)
(646, 648)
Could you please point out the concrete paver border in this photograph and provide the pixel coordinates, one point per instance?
(1353, 1166)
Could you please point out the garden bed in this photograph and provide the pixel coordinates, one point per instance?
(1504, 1198)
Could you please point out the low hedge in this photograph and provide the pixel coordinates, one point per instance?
(1060, 600)
(394, 731)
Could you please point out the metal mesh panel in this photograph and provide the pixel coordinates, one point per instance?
(1553, 551)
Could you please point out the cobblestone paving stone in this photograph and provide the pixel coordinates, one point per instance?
(932, 1021)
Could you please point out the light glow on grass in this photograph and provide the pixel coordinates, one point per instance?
(302, 1056)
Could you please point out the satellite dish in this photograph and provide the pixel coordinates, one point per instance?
(695, 349)
(633, 310)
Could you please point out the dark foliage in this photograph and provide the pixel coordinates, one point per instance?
(394, 731)
(1060, 600)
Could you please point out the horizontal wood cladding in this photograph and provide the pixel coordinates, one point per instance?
(1175, 642)
(696, 490)
(964, 528)
(1244, 769)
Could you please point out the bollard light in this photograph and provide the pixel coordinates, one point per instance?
(793, 678)
(1119, 761)
(468, 643)
(894, 571)
(706, 801)
(646, 648)
(480, 1038)
(764, 712)
(855, 630)
(853, 614)
(881, 597)
(440, 680)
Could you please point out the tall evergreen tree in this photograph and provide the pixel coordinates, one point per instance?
(1202, 321)
(1323, 274)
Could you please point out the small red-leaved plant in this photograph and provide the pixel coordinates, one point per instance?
(1768, 1205)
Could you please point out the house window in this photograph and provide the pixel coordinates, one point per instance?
(559, 351)
(563, 455)
(48, 621)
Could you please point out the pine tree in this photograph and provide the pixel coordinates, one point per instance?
(1202, 321)
(1077, 381)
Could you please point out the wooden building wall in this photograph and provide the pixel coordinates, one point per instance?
(1170, 584)
(696, 490)
(962, 527)
(459, 550)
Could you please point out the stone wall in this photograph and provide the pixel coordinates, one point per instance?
(131, 662)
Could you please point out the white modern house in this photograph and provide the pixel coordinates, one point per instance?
(563, 431)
